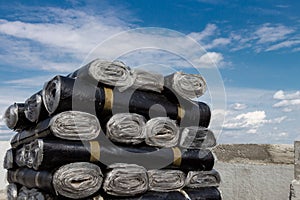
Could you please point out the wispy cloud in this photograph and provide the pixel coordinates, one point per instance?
(287, 101)
(59, 44)
(272, 33)
(284, 44)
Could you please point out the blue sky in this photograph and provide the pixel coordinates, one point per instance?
(255, 44)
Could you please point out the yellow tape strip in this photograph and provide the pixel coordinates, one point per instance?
(36, 179)
(177, 156)
(95, 151)
(180, 112)
(109, 99)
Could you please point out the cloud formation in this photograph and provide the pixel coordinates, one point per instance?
(287, 102)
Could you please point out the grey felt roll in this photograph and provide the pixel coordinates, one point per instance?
(12, 191)
(126, 128)
(111, 73)
(125, 180)
(195, 137)
(188, 86)
(166, 180)
(146, 80)
(162, 132)
(77, 180)
(200, 179)
(69, 125)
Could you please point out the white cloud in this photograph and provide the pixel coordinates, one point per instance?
(250, 120)
(239, 106)
(219, 42)
(280, 95)
(278, 120)
(285, 103)
(288, 102)
(209, 30)
(37, 81)
(210, 59)
(59, 43)
(284, 44)
(272, 33)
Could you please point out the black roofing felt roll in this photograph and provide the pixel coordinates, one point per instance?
(210, 193)
(14, 117)
(35, 109)
(62, 93)
(48, 154)
(69, 125)
(74, 180)
(188, 86)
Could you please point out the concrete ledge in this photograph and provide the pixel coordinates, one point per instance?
(255, 153)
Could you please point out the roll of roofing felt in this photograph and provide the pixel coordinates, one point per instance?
(74, 180)
(126, 128)
(195, 137)
(146, 80)
(188, 86)
(200, 179)
(111, 73)
(166, 180)
(48, 154)
(35, 110)
(70, 125)
(161, 132)
(125, 180)
(62, 93)
(14, 117)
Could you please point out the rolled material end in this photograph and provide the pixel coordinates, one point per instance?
(12, 191)
(162, 132)
(30, 155)
(11, 117)
(125, 180)
(195, 137)
(75, 125)
(77, 180)
(189, 85)
(114, 73)
(166, 180)
(8, 159)
(52, 94)
(126, 128)
(33, 107)
(33, 193)
(200, 179)
(146, 80)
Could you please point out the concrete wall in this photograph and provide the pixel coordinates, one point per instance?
(255, 172)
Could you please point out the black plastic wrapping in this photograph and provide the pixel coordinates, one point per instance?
(15, 118)
(49, 154)
(62, 93)
(31, 178)
(210, 193)
(35, 109)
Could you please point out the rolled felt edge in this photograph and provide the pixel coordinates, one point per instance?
(89, 178)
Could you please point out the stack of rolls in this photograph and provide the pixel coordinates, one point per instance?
(106, 131)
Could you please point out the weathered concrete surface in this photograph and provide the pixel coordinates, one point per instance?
(255, 153)
(255, 181)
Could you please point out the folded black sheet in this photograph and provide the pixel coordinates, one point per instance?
(74, 180)
(62, 93)
(48, 154)
(15, 119)
(70, 125)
